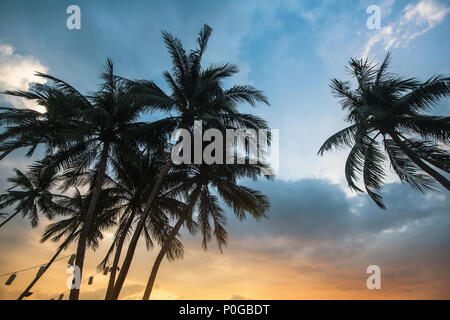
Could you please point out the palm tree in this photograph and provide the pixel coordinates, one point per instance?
(196, 94)
(133, 175)
(33, 196)
(80, 131)
(116, 247)
(198, 192)
(391, 109)
(70, 228)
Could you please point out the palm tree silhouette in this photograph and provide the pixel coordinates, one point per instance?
(390, 108)
(80, 131)
(69, 229)
(84, 136)
(132, 181)
(31, 194)
(196, 94)
(198, 192)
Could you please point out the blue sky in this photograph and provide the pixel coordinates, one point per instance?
(289, 49)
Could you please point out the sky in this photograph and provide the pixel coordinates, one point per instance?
(319, 237)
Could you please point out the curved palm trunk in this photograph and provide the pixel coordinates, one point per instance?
(137, 232)
(166, 246)
(39, 275)
(422, 165)
(81, 248)
(112, 277)
(160, 257)
(9, 218)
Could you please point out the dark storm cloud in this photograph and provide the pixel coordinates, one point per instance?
(315, 220)
(315, 229)
(311, 209)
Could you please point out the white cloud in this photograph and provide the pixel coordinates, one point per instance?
(416, 19)
(17, 73)
(385, 35)
(305, 11)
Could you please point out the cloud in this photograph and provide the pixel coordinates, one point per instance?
(317, 241)
(415, 20)
(315, 229)
(315, 209)
(311, 12)
(17, 73)
(129, 292)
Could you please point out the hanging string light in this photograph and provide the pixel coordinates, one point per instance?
(10, 279)
(40, 271)
(90, 280)
(71, 259)
(12, 275)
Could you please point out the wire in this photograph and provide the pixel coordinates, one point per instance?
(55, 296)
(31, 268)
(40, 265)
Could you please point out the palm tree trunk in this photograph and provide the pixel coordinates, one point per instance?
(160, 257)
(166, 246)
(81, 248)
(9, 218)
(422, 165)
(40, 274)
(137, 232)
(112, 277)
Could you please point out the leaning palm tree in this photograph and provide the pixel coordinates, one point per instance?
(197, 93)
(31, 194)
(69, 229)
(79, 131)
(133, 175)
(199, 189)
(391, 110)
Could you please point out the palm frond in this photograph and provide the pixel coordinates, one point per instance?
(373, 172)
(406, 170)
(343, 138)
(248, 94)
(428, 127)
(425, 95)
